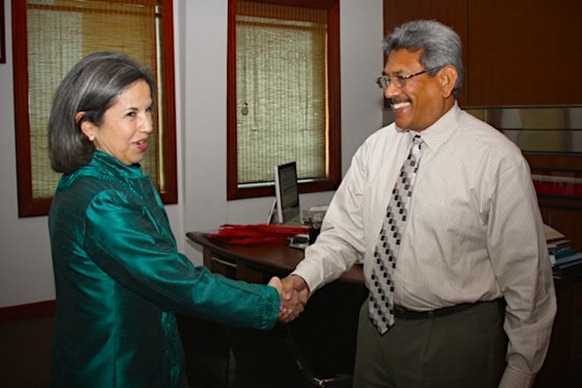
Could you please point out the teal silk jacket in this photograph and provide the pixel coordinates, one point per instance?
(119, 279)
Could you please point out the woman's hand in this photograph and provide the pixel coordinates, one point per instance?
(292, 303)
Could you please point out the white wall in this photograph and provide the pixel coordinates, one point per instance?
(200, 46)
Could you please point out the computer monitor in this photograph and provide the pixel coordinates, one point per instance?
(287, 194)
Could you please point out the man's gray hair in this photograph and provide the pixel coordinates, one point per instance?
(440, 45)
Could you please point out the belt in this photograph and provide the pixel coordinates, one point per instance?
(401, 312)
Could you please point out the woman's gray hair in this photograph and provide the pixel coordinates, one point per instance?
(92, 87)
(440, 45)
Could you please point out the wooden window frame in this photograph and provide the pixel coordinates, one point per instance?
(28, 205)
(333, 179)
(2, 34)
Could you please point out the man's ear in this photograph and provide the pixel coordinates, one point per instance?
(448, 78)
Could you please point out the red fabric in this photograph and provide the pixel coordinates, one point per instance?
(256, 233)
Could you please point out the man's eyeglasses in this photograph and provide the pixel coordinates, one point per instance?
(399, 81)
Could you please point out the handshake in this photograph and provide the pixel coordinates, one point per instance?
(294, 293)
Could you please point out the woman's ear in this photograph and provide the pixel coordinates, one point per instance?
(448, 78)
(86, 126)
(79, 116)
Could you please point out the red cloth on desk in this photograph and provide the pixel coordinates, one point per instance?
(256, 233)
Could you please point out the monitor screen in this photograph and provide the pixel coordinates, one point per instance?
(287, 193)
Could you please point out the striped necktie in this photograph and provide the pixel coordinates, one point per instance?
(381, 302)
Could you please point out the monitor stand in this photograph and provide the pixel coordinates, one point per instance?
(272, 218)
(295, 221)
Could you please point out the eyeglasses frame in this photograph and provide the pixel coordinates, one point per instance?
(384, 81)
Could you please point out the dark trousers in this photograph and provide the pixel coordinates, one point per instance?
(464, 349)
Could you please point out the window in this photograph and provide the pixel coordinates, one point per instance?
(283, 94)
(50, 36)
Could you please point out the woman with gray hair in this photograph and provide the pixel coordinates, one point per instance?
(119, 277)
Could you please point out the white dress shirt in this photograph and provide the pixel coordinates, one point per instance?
(474, 231)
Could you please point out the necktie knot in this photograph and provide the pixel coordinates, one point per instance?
(415, 152)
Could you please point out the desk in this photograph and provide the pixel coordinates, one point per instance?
(251, 262)
(258, 263)
(326, 347)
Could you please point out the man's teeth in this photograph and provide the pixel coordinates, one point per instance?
(400, 105)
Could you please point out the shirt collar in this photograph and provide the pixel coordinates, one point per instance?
(442, 129)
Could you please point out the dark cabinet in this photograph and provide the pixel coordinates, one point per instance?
(525, 52)
(517, 52)
(450, 12)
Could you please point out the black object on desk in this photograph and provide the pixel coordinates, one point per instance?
(313, 233)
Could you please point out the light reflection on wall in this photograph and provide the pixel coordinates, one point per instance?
(537, 129)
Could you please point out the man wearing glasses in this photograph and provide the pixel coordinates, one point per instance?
(440, 208)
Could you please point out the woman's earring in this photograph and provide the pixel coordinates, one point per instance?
(91, 138)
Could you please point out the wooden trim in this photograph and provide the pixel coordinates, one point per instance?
(334, 70)
(333, 179)
(232, 191)
(2, 34)
(564, 162)
(169, 192)
(559, 202)
(37, 310)
(27, 206)
(319, 4)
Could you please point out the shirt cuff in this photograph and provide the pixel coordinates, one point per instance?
(515, 379)
(310, 275)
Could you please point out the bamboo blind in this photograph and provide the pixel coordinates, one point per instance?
(60, 33)
(281, 90)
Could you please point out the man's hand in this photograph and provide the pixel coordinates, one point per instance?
(292, 301)
(295, 291)
(292, 284)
